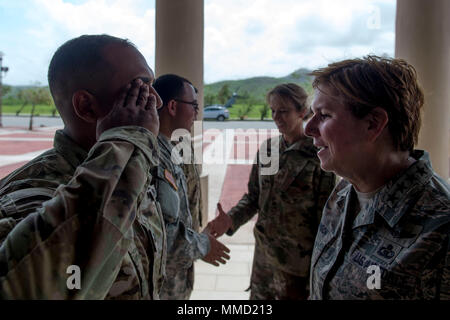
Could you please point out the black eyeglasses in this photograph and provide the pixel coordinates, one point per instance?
(193, 104)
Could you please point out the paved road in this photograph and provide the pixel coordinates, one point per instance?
(23, 121)
(239, 125)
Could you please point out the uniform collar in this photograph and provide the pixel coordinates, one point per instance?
(304, 145)
(165, 143)
(395, 198)
(73, 153)
(366, 214)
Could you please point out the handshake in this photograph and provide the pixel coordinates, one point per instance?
(215, 228)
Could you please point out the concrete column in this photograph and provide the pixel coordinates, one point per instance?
(179, 41)
(179, 50)
(423, 39)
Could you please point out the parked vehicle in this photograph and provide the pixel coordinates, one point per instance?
(217, 112)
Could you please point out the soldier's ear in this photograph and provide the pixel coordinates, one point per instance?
(85, 106)
(377, 121)
(172, 108)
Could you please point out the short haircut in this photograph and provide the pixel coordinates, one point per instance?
(170, 86)
(388, 83)
(79, 64)
(290, 92)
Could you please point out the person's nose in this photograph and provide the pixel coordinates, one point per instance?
(311, 127)
(195, 113)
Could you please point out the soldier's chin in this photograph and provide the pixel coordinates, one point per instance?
(325, 164)
(280, 128)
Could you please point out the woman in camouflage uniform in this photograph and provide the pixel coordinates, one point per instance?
(288, 202)
(384, 232)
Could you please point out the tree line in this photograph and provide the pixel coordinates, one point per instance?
(28, 96)
(246, 102)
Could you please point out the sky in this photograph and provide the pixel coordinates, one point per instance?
(243, 38)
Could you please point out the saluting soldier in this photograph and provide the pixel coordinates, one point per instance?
(88, 204)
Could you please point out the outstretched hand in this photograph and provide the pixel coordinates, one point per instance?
(220, 224)
(136, 105)
(217, 253)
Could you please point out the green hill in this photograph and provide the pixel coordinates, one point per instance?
(257, 87)
(249, 91)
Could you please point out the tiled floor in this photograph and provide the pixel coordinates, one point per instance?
(226, 282)
(229, 281)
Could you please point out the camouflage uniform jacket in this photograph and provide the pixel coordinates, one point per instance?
(90, 210)
(184, 245)
(289, 205)
(404, 232)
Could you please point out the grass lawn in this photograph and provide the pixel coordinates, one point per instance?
(42, 110)
(45, 110)
(254, 113)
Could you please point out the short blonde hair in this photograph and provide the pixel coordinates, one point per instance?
(291, 92)
(370, 82)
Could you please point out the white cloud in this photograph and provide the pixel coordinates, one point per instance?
(243, 38)
(50, 23)
(130, 19)
(246, 38)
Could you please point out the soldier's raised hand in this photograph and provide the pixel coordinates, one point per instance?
(220, 224)
(218, 252)
(136, 105)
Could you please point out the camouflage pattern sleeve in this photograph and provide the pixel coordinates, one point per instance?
(191, 171)
(248, 206)
(198, 209)
(88, 223)
(445, 282)
(185, 244)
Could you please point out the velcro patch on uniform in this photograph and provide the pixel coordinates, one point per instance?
(169, 177)
(387, 250)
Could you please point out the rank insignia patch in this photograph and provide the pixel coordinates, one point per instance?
(170, 179)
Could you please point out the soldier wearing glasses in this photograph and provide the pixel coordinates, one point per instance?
(184, 244)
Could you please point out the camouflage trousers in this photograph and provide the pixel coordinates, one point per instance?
(270, 283)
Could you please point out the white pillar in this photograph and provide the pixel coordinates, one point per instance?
(179, 41)
(179, 50)
(423, 39)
